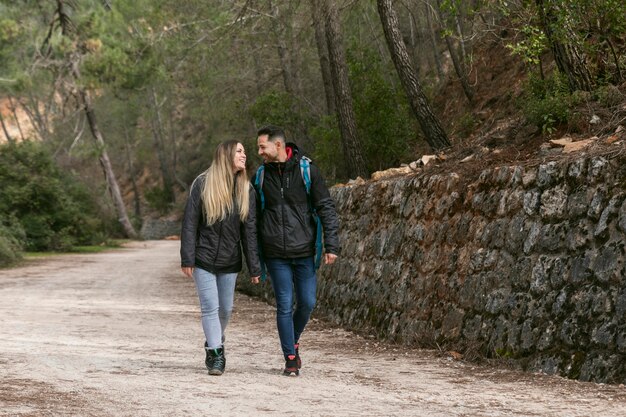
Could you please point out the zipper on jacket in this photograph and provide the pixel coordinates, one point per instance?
(282, 196)
(282, 189)
(219, 241)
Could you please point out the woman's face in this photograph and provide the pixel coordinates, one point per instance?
(239, 163)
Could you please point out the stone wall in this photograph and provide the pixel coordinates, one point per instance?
(519, 263)
(159, 228)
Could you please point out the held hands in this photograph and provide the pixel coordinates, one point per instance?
(255, 280)
(329, 258)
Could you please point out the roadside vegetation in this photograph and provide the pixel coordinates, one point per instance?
(110, 109)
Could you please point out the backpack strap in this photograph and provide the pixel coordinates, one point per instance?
(258, 184)
(305, 171)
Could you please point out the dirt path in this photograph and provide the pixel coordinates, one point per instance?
(118, 333)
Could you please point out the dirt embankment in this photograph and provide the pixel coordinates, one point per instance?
(118, 333)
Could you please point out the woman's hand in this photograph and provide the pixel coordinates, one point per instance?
(187, 270)
(255, 280)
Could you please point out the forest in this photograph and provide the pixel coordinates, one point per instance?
(110, 108)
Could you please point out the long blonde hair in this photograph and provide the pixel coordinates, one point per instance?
(219, 181)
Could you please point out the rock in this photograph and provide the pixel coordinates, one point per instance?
(594, 120)
(427, 158)
(553, 203)
(415, 165)
(356, 181)
(576, 146)
(545, 148)
(561, 142)
(455, 355)
(159, 228)
(548, 174)
(622, 217)
(391, 172)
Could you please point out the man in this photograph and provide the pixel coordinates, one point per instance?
(287, 233)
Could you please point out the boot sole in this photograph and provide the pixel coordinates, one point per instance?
(291, 373)
(215, 372)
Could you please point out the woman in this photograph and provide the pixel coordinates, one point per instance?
(220, 217)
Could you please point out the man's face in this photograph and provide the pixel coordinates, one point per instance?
(267, 150)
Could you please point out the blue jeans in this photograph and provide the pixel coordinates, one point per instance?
(216, 293)
(287, 274)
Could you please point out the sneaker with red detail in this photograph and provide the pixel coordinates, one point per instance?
(291, 366)
(298, 360)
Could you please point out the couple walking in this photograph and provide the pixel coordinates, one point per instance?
(225, 213)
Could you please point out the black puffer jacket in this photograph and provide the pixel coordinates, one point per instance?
(286, 226)
(217, 248)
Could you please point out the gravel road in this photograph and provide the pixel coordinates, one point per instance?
(118, 334)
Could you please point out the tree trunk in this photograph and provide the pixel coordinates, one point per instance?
(615, 59)
(352, 148)
(432, 129)
(34, 118)
(132, 173)
(87, 106)
(107, 167)
(322, 52)
(173, 141)
(288, 54)
(6, 131)
(283, 53)
(569, 59)
(433, 42)
(157, 134)
(17, 120)
(41, 119)
(459, 33)
(459, 64)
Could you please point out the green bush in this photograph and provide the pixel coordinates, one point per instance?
(54, 210)
(609, 96)
(12, 238)
(279, 109)
(159, 199)
(328, 153)
(547, 103)
(386, 125)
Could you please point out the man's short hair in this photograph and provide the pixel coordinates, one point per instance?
(272, 132)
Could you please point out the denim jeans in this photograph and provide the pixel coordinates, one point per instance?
(216, 293)
(285, 275)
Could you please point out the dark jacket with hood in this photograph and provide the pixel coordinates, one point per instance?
(286, 225)
(217, 248)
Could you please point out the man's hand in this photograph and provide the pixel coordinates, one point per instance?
(255, 280)
(187, 270)
(329, 258)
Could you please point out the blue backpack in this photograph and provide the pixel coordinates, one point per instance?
(305, 171)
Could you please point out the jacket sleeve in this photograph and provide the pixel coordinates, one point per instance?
(249, 237)
(191, 220)
(325, 207)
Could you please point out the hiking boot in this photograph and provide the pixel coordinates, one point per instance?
(291, 366)
(219, 361)
(298, 360)
(208, 361)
